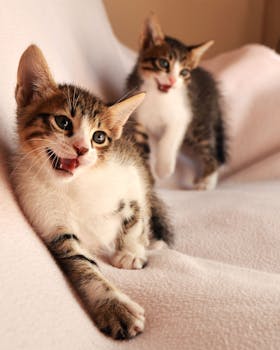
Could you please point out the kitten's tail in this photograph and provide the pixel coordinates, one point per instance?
(160, 225)
(221, 142)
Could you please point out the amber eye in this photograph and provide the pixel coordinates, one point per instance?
(99, 137)
(63, 122)
(163, 63)
(185, 72)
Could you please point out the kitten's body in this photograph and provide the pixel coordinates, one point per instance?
(179, 112)
(156, 109)
(90, 202)
(85, 189)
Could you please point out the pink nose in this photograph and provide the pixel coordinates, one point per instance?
(81, 150)
(172, 80)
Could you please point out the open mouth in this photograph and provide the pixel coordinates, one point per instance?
(163, 87)
(62, 164)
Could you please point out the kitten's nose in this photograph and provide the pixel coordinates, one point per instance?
(172, 80)
(81, 150)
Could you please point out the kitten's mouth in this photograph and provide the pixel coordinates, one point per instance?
(163, 87)
(63, 164)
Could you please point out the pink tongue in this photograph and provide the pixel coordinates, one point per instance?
(164, 88)
(69, 164)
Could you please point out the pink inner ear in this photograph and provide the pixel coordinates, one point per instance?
(158, 40)
(33, 76)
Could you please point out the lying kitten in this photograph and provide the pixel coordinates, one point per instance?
(181, 111)
(84, 188)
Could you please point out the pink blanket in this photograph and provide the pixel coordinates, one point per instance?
(219, 287)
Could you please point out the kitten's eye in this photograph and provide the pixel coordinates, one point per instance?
(163, 63)
(99, 137)
(63, 122)
(184, 72)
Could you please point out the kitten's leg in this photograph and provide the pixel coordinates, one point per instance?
(141, 139)
(209, 178)
(160, 225)
(114, 313)
(133, 238)
(167, 149)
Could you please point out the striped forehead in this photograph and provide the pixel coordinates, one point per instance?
(80, 103)
(178, 55)
(170, 52)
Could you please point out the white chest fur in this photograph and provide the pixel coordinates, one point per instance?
(86, 206)
(166, 117)
(97, 197)
(161, 110)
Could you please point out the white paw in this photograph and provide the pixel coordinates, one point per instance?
(207, 183)
(119, 317)
(164, 169)
(127, 260)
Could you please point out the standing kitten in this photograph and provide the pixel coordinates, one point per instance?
(181, 111)
(84, 188)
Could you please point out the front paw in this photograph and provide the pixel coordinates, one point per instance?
(207, 183)
(119, 317)
(127, 260)
(164, 168)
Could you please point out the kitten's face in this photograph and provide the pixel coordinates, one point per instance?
(164, 66)
(164, 62)
(64, 129)
(67, 132)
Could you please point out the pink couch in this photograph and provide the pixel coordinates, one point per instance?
(219, 287)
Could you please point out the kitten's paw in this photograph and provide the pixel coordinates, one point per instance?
(207, 183)
(127, 260)
(199, 186)
(119, 317)
(164, 169)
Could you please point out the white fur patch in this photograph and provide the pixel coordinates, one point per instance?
(85, 206)
(208, 183)
(166, 116)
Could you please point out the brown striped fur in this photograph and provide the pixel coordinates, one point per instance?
(74, 221)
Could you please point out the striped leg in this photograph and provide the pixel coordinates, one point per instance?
(209, 178)
(133, 239)
(114, 313)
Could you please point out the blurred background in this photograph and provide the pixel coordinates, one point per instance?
(231, 23)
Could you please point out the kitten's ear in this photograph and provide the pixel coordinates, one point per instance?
(33, 77)
(152, 34)
(120, 112)
(198, 51)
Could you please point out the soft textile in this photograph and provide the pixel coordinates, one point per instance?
(219, 286)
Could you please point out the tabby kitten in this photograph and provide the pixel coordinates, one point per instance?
(181, 111)
(85, 188)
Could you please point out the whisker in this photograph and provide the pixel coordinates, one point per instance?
(47, 144)
(69, 99)
(64, 144)
(76, 101)
(34, 164)
(44, 163)
(25, 156)
(128, 93)
(73, 98)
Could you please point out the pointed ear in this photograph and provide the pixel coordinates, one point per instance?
(120, 112)
(33, 77)
(152, 34)
(198, 51)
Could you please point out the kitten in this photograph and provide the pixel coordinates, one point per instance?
(84, 187)
(181, 111)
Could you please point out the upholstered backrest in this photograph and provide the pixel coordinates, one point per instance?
(75, 37)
